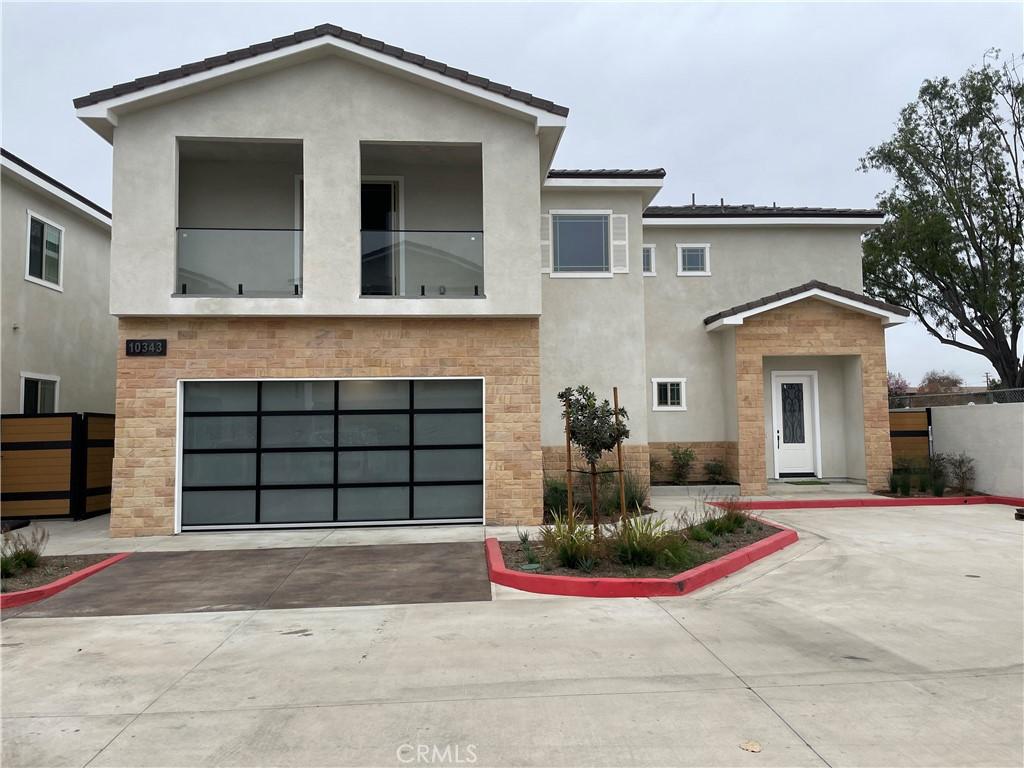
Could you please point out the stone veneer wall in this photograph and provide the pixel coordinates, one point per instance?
(810, 327)
(506, 352)
(725, 451)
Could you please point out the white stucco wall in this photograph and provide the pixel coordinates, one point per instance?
(592, 329)
(67, 333)
(992, 435)
(330, 104)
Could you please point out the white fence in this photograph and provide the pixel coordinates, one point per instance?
(993, 435)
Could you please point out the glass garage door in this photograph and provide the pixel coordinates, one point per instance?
(289, 452)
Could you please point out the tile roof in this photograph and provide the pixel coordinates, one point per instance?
(50, 180)
(606, 173)
(322, 30)
(765, 300)
(754, 211)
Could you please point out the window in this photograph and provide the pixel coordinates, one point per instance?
(669, 394)
(39, 393)
(647, 252)
(581, 243)
(694, 259)
(45, 246)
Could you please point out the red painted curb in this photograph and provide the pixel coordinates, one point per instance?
(680, 584)
(884, 501)
(35, 594)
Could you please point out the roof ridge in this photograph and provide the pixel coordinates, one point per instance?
(305, 35)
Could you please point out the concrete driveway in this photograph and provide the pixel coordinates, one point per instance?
(885, 637)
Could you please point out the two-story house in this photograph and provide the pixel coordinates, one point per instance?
(365, 285)
(59, 341)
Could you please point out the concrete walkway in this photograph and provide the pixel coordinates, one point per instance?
(884, 637)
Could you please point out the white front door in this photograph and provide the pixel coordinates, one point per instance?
(793, 414)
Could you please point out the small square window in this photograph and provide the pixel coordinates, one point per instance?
(38, 395)
(581, 243)
(647, 252)
(669, 394)
(693, 259)
(45, 246)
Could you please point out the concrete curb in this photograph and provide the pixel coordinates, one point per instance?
(885, 501)
(35, 594)
(680, 584)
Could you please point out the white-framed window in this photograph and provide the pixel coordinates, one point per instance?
(693, 259)
(668, 394)
(44, 257)
(581, 243)
(40, 393)
(647, 255)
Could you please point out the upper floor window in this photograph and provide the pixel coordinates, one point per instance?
(694, 259)
(669, 394)
(647, 254)
(45, 248)
(581, 243)
(39, 393)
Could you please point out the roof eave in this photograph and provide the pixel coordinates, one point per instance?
(886, 317)
(50, 190)
(861, 222)
(647, 187)
(101, 116)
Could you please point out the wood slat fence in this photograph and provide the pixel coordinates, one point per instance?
(910, 431)
(56, 465)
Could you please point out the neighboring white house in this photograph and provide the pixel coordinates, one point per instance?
(349, 285)
(59, 339)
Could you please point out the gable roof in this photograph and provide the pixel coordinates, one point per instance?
(890, 314)
(49, 185)
(327, 32)
(756, 211)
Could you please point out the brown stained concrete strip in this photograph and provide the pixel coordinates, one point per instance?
(252, 579)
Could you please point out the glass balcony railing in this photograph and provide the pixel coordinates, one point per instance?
(422, 263)
(239, 262)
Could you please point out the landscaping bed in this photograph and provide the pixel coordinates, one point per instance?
(48, 570)
(697, 553)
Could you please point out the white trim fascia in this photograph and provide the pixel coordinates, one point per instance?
(654, 260)
(581, 212)
(818, 471)
(53, 191)
(59, 285)
(706, 272)
(41, 377)
(756, 221)
(107, 109)
(888, 319)
(599, 183)
(179, 446)
(668, 380)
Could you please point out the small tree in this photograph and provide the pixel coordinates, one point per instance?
(898, 385)
(594, 429)
(939, 383)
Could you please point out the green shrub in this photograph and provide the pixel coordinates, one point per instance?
(894, 482)
(961, 472)
(715, 471)
(678, 554)
(569, 540)
(903, 486)
(938, 485)
(699, 533)
(682, 463)
(8, 566)
(19, 552)
(638, 540)
(556, 496)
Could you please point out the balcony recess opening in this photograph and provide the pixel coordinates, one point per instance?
(422, 221)
(239, 218)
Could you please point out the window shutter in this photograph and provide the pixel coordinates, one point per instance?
(545, 243)
(620, 242)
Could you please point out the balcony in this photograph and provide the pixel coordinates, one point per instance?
(239, 262)
(240, 218)
(422, 264)
(421, 221)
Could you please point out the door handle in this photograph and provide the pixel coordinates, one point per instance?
(778, 442)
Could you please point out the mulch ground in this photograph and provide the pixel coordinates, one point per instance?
(49, 569)
(703, 552)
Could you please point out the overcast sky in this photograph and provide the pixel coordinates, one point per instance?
(754, 103)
